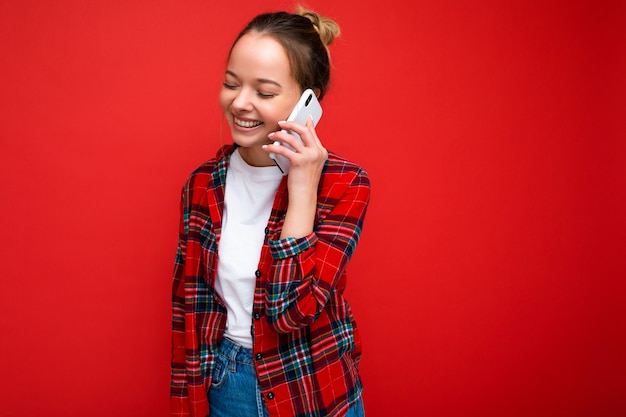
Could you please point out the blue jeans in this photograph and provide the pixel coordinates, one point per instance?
(356, 409)
(235, 390)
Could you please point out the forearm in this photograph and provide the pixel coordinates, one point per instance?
(300, 215)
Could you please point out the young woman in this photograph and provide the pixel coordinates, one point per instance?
(260, 324)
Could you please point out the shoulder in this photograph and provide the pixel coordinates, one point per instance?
(342, 178)
(209, 175)
(341, 169)
(203, 174)
(344, 190)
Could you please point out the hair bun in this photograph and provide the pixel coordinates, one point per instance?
(327, 28)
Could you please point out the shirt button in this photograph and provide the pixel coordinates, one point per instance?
(259, 356)
(270, 395)
(267, 230)
(257, 273)
(256, 316)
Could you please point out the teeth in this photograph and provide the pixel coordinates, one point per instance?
(244, 123)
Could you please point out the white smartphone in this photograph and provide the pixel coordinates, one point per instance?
(307, 105)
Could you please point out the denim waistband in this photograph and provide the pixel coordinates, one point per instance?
(236, 352)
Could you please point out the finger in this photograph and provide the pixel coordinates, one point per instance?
(311, 126)
(304, 131)
(287, 138)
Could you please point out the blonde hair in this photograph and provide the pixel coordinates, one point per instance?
(327, 28)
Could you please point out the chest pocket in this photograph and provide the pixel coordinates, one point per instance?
(208, 243)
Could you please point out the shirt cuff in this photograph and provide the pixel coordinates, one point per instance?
(291, 246)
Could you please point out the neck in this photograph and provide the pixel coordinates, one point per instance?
(255, 157)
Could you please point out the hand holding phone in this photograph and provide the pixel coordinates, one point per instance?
(307, 105)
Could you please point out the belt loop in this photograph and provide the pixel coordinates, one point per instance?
(234, 350)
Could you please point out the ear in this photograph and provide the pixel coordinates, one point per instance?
(317, 92)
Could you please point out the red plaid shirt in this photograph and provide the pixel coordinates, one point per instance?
(305, 341)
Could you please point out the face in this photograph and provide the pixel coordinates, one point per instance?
(258, 91)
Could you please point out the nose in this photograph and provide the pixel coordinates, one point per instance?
(242, 101)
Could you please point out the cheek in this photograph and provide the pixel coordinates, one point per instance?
(225, 100)
(282, 111)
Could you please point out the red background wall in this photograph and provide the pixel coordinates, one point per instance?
(490, 277)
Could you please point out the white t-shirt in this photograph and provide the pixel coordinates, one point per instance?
(248, 201)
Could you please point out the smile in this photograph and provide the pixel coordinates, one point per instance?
(247, 124)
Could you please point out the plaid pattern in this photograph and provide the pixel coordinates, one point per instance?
(306, 343)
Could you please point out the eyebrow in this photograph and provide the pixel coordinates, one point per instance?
(260, 80)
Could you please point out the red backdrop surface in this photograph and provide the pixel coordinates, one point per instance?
(490, 277)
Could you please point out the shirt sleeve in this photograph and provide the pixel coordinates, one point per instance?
(179, 399)
(305, 271)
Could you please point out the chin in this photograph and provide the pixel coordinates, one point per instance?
(249, 141)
